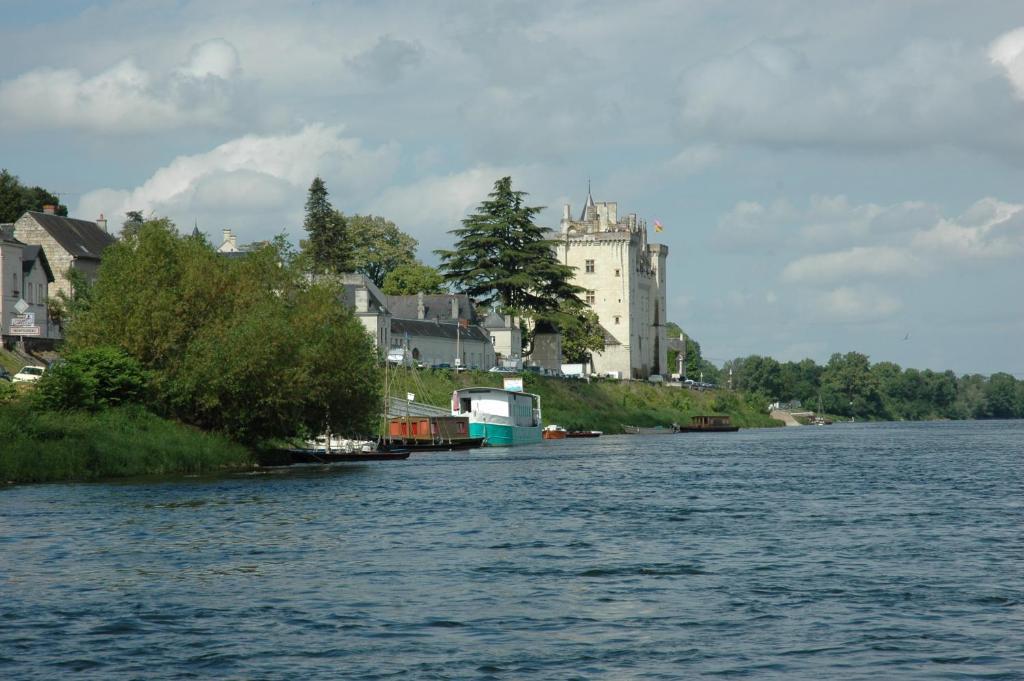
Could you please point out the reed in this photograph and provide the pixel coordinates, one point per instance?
(45, 446)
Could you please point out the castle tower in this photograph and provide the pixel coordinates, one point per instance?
(624, 279)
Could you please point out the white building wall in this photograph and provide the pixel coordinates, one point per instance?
(628, 287)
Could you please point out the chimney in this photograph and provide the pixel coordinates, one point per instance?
(455, 307)
(101, 222)
(421, 310)
(49, 209)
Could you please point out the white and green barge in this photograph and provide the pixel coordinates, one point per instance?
(505, 418)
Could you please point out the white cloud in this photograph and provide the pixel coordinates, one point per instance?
(1008, 52)
(989, 229)
(126, 98)
(857, 304)
(428, 208)
(855, 263)
(795, 94)
(262, 178)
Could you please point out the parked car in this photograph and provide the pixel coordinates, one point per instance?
(5, 375)
(502, 370)
(28, 374)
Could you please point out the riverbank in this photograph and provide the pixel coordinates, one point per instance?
(604, 405)
(45, 446)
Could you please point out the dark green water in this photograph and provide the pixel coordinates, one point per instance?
(846, 552)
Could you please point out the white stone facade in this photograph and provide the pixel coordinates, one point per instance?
(624, 278)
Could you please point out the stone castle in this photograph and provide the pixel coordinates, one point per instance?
(624, 281)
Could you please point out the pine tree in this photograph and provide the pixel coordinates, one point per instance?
(502, 257)
(328, 244)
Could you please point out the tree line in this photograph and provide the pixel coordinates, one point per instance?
(850, 385)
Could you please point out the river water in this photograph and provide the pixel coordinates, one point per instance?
(853, 551)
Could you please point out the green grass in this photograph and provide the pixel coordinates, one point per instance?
(43, 446)
(604, 405)
(10, 361)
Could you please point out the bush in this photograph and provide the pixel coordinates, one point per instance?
(92, 379)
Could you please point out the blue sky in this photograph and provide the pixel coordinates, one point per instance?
(831, 176)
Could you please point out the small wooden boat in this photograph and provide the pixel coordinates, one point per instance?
(454, 445)
(584, 433)
(640, 430)
(710, 424)
(288, 457)
(554, 432)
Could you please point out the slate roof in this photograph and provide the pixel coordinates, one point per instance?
(437, 306)
(29, 256)
(80, 238)
(432, 329)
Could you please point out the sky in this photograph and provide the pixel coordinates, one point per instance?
(832, 176)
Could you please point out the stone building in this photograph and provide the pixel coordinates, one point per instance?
(67, 242)
(624, 280)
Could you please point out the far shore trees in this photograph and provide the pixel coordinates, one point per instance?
(247, 347)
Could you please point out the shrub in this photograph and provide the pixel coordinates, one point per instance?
(92, 379)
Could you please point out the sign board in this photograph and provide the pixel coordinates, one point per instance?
(514, 384)
(24, 325)
(410, 397)
(21, 306)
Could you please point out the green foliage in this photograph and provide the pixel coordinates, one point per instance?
(503, 259)
(695, 363)
(41, 446)
(849, 388)
(378, 246)
(133, 220)
(410, 278)
(16, 198)
(92, 379)
(329, 248)
(246, 347)
(581, 330)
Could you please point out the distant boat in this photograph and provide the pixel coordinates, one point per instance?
(710, 424)
(584, 433)
(554, 432)
(505, 418)
(640, 430)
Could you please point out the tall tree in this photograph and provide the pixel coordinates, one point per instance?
(410, 278)
(378, 246)
(16, 198)
(328, 245)
(503, 259)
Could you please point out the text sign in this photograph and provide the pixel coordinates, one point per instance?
(514, 384)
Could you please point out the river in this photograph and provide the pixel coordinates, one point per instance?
(873, 551)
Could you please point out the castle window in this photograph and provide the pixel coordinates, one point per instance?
(617, 319)
(590, 297)
(617, 273)
(590, 267)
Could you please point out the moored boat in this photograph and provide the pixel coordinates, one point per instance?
(641, 430)
(505, 418)
(554, 432)
(710, 424)
(584, 433)
(432, 433)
